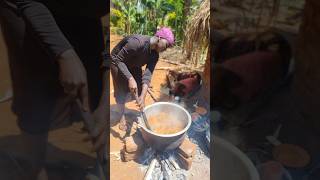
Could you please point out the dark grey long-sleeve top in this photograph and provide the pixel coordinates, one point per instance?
(39, 15)
(134, 51)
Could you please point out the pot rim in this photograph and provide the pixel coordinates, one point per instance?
(169, 135)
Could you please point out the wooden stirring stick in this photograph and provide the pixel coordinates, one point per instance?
(144, 117)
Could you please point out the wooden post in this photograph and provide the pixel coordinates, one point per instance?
(5, 79)
(307, 69)
(206, 77)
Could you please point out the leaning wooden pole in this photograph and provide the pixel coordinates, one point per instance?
(206, 77)
(307, 68)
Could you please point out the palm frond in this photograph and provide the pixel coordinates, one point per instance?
(197, 33)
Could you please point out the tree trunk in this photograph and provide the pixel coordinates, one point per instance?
(307, 74)
(186, 7)
(186, 12)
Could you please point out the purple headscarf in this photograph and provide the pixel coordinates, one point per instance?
(167, 34)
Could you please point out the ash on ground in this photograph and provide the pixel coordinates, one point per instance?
(167, 170)
(168, 165)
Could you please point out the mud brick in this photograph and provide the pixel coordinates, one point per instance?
(187, 148)
(129, 156)
(185, 163)
(134, 143)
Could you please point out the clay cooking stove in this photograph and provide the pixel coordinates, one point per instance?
(161, 165)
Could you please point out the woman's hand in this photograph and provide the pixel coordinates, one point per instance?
(73, 77)
(141, 101)
(132, 85)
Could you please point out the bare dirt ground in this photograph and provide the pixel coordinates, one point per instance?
(66, 145)
(131, 170)
(118, 169)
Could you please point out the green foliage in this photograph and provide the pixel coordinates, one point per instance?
(144, 16)
(117, 18)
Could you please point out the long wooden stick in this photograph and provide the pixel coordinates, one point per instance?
(148, 175)
(154, 99)
(144, 117)
(93, 132)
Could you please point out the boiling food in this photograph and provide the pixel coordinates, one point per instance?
(163, 123)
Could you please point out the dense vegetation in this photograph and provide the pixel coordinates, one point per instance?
(144, 16)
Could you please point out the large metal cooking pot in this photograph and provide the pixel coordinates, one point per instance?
(230, 163)
(162, 142)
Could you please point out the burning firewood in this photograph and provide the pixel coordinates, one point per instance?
(148, 174)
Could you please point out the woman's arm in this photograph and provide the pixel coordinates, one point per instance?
(147, 75)
(105, 80)
(44, 27)
(125, 55)
(146, 79)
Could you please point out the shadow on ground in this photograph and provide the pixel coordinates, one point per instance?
(59, 164)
